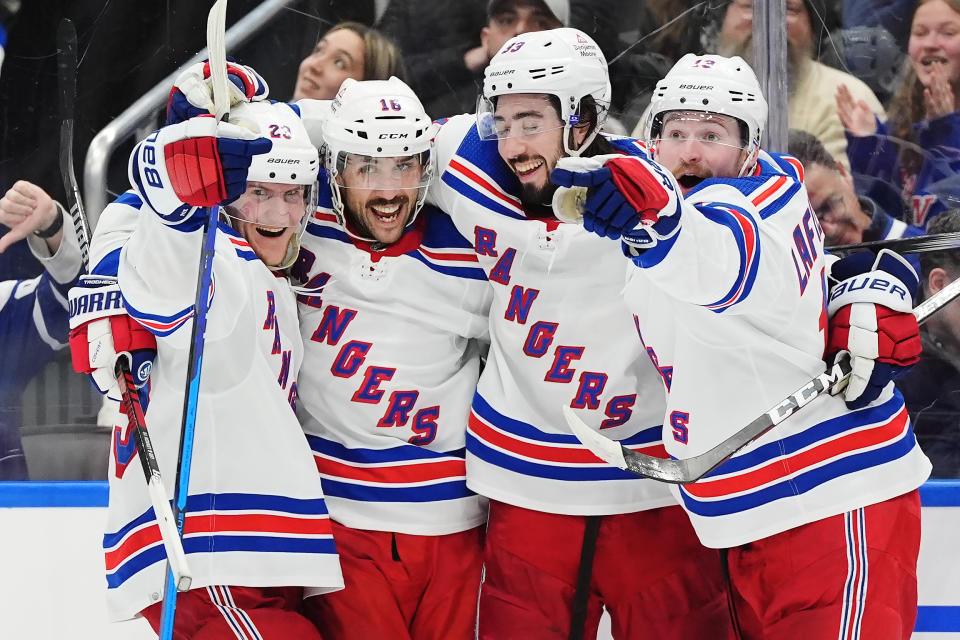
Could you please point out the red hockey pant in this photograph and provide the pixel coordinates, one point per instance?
(232, 613)
(650, 572)
(402, 586)
(848, 576)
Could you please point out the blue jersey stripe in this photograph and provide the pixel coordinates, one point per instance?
(169, 323)
(810, 436)
(802, 483)
(326, 231)
(452, 490)
(749, 254)
(109, 265)
(228, 502)
(473, 273)
(553, 472)
(405, 453)
(777, 205)
(480, 197)
(219, 544)
(649, 435)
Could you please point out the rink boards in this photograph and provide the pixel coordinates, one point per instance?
(53, 585)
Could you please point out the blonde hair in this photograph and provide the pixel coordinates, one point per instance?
(381, 57)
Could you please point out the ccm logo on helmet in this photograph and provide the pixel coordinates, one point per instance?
(393, 136)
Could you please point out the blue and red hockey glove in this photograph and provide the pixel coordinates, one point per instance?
(101, 331)
(197, 163)
(627, 197)
(192, 91)
(870, 308)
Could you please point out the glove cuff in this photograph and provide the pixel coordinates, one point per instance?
(93, 298)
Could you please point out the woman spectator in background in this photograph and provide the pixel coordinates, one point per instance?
(347, 50)
(909, 164)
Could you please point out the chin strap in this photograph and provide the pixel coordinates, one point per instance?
(293, 250)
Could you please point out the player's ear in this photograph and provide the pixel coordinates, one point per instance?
(579, 133)
(937, 280)
(750, 160)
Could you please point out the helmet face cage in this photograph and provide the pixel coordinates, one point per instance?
(565, 63)
(691, 127)
(268, 204)
(385, 176)
(381, 125)
(712, 84)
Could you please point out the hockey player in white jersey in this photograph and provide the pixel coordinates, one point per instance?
(728, 281)
(256, 518)
(391, 317)
(567, 535)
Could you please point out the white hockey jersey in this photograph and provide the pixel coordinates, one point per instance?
(392, 359)
(732, 310)
(560, 335)
(256, 513)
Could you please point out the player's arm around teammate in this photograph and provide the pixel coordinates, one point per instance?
(829, 496)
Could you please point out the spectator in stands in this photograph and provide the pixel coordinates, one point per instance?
(846, 218)
(448, 74)
(909, 164)
(932, 388)
(811, 84)
(347, 50)
(33, 313)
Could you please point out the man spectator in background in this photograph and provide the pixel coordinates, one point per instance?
(33, 313)
(811, 84)
(846, 217)
(446, 68)
(930, 389)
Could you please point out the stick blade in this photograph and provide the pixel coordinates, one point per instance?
(216, 51)
(601, 446)
(611, 451)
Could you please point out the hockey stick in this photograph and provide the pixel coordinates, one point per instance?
(692, 469)
(67, 81)
(216, 27)
(915, 244)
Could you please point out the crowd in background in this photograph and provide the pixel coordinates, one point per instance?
(873, 91)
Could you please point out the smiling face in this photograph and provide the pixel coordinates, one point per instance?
(530, 141)
(934, 45)
(380, 194)
(695, 145)
(268, 215)
(338, 56)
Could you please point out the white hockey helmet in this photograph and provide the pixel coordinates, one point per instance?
(563, 62)
(376, 119)
(712, 84)
(291, 160)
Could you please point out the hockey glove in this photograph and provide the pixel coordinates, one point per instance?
(197, 163)
(627, 197)
(871, 318)
(192, 92)
(101, 331)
